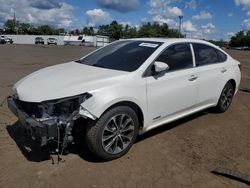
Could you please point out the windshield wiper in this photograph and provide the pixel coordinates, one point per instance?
(78, 61)
(96, 65)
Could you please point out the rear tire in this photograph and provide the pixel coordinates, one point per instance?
(113, 134)
(226, 98)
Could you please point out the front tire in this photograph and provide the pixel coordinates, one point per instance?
(226, 98)
(113, 134)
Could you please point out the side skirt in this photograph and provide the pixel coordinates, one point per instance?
(176, 116)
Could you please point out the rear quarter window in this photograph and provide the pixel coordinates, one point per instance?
(222, 56)
(205, 55)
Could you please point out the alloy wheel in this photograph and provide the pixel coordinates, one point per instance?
(227, 96)
(118, 133)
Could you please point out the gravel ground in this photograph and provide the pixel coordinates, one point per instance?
(179, 154)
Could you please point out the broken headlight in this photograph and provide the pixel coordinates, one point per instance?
(65, 106)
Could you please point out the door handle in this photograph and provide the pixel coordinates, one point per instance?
(192, 78)
(223, 70)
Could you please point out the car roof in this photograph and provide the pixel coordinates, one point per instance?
(173, 40)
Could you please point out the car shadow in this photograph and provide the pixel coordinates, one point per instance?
(33, 152)
(26, 145)
(246, 90)
(171, 125)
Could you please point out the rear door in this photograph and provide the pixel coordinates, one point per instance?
(211, 70)
(175, 90)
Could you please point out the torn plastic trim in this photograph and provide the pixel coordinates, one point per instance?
(63, 108)
(83, 97)
(85, 113)
(44, 128)
(47, 127)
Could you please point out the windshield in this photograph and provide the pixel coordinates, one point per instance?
(126, 55)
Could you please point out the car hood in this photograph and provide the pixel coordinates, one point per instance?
(65, 80)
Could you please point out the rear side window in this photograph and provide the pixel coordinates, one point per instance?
(205, 55)
(177, 57)
(222, 56)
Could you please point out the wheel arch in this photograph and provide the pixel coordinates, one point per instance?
(219, 106)
(132, 105)
(233, 82)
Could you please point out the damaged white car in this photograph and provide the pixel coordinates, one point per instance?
(124, 89)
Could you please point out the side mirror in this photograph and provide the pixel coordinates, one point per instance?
(160, 66)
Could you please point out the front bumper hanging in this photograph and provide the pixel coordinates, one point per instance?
(41, 130)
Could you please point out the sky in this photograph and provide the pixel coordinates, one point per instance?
(206, 19)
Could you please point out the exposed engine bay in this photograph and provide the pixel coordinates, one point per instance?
(50, 121)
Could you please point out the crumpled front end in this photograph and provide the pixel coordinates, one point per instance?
(50, 120)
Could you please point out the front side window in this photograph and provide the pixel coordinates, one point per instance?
(177, 57)
(126, 55)
(205, 55)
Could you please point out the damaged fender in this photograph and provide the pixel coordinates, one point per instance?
(101, 100)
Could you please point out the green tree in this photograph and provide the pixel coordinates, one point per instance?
(25, 28)
(88, 31)
(115, 30)
(104, 30)
(43, 30)
(10, 26)
(129, 32)
(15, 27)
(157, 30)
(60, 31)
(77, 32)
(220, 43)
(147, 30)
(240, 39)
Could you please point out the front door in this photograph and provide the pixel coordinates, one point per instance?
(175, 90)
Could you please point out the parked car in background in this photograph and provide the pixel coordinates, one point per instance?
(2, 40)
(5, 40)
(8, 40)
(124, 89)
(243, 48)
(39, 40)
(52, 41)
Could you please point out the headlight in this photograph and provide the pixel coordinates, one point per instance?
(65, 106)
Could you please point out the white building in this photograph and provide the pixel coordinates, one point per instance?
(84, 40)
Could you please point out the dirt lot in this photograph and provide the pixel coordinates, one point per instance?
(180, 154)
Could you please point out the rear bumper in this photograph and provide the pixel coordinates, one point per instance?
(41, 130)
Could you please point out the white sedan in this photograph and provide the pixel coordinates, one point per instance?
(124, 89)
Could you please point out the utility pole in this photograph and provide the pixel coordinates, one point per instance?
(15, 24)
(180, 17)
